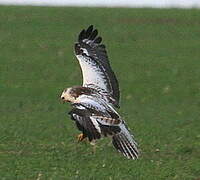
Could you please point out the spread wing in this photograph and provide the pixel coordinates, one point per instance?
(96, 69)
(95, 120)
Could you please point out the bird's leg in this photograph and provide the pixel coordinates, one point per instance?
(93, 143)
(81, 137)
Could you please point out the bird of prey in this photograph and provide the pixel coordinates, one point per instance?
(94, 103)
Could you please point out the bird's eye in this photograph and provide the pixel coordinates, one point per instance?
(62, 98)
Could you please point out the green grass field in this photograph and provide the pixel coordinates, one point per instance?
(155, 55)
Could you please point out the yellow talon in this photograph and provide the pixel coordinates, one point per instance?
(81, 137)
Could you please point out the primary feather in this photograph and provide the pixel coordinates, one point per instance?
(99, 119)
(95, 66)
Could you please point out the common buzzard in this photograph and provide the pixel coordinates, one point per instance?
(94, 103)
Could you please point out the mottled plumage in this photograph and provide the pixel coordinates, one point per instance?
(96, 69)
(93, 103)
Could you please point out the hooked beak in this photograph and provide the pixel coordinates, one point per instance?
(64, 100)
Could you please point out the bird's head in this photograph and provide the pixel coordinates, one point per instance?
(68, 95)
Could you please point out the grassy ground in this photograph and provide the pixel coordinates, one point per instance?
(155, 54)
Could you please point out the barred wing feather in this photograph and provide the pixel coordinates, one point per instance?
(95, 120)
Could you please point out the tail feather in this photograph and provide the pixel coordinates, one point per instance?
(125, 144)
(118, 145)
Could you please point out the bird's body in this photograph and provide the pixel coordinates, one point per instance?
(93, 103)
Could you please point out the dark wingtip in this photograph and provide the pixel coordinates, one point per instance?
(93, 35)
(98, 40)
(85, 33)
(90, 28)
(81, 35)
(89, 31)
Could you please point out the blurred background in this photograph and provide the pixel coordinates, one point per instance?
(154, 52)
(109, 3)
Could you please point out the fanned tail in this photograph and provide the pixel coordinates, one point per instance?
(125, 143)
